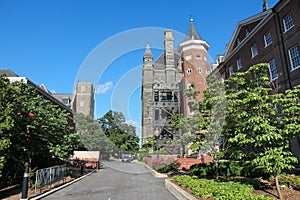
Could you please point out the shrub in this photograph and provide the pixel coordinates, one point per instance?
(226, 189)
(229, 168)
(289, 180)
(161, 164)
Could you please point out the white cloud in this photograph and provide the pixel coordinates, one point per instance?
(103, 88)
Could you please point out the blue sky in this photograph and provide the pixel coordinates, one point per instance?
(58, 42)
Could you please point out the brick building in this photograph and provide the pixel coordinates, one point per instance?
(271, 36)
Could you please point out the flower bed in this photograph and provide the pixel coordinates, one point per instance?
(161, 163)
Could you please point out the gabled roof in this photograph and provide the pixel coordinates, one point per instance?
(192, 33)
(160, 62)
(258, 18)
(8, 73)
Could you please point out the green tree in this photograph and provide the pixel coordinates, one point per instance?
(40, 135)
(121, 134)
(260, 123)
(91, 135)
(6, 120)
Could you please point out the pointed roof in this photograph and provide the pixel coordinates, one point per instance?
(148, 52)
(192, 33)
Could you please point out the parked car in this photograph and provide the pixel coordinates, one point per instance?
(126, 158)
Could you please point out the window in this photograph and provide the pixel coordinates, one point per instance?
(238, 41)
(82, 103)
(268, 39)
(239, 63)
(247, 31)
(198, 56)
(156, 96)
(223, 77)
(65, 101)
(230, 70)
(288, 22)
(189, 57)
(254, 51)
(199, 70)
(82, 88)
(294, 57)
(189, 70)
(273, 70)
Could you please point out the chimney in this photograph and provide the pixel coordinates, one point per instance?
(265, 5)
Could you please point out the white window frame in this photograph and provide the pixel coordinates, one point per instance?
(223, 77)
(254, 50)
(198, 56)
(288, 22)
(273, 70)
(188, 57)
(199, 70)
(239, 63)
(294, 57)
(189, 71)
(268, 39)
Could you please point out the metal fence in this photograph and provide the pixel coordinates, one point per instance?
(48, 176)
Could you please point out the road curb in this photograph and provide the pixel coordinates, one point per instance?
(59, 188)
(153, 172)
(176, 191)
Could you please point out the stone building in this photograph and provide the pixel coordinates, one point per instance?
(82, 101)
(165, 80)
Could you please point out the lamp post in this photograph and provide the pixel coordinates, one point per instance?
(25, 182)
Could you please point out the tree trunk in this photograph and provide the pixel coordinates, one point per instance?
(277, 186)
(217, 169)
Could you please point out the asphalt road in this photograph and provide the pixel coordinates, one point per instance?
(116, 181)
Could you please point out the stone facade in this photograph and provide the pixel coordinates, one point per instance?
(164, 82)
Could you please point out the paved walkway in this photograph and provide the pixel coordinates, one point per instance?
(117, 181)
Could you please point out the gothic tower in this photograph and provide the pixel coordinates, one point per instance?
(147, 94)
(160, 92)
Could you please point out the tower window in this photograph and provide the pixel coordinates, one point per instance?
(198, 56)
(189, 57)
(156, 96)
(189, 70)
(199, 70)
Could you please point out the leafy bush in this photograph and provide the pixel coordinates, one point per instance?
(228, 189)
(161, 163)
(229, 168)
(289, 180)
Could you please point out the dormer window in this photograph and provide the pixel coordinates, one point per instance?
(288, 22)
(238, 41)
(247, 31)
